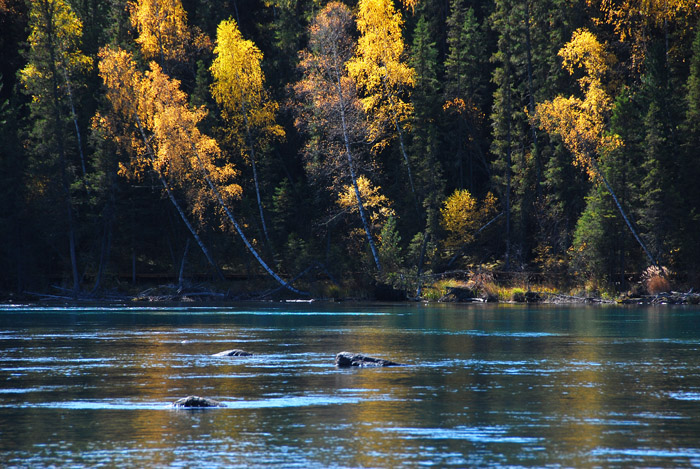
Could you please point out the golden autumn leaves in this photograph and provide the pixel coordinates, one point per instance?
(356, 95)
(164, 131)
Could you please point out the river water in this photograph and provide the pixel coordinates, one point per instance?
(483, 386)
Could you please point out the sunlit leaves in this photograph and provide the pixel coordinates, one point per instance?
(239, 88)
(164, 128)
(161, 27)
(378, 205)
(54, 41)
(382, 76)
(461, 216)
(581, 123)
(620, 13)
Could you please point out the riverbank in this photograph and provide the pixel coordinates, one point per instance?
(206, 293)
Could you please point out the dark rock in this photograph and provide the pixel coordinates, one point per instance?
(384, 292)
(233, 353)
(532, 297)
(460, 295)
(347, 359)
(194, 402)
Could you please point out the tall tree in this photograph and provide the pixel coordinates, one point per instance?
(382, 76)
(581, 123)
(505, 111)
(124, 82)
(691, 162)
(54, 61)
(427, 104)
(332, 113)
(465, 90)
(171, 143)
(239, 89)
(162, 29)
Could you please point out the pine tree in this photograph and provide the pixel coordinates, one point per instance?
(465, 93)
(54, 62)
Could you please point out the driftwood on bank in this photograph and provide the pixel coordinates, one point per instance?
(666, 298)
(176, 293)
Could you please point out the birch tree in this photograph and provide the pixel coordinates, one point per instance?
(171, 144)
(162, 29)
(331, 112)
(124, 83)
(239, 90)
(382, 76)
(581, 123)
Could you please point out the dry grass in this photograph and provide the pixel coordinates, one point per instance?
(655, 279)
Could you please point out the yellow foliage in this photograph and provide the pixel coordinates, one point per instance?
(585, 51)
(239, 88)
(377, 205)
(632, 19)
(167, 138)
(461, 216)
(620, 13)
(162, 28)
(378, 70)
(410, 4)
(581, 122)
(55, 35)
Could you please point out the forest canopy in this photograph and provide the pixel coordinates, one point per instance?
(316, 147)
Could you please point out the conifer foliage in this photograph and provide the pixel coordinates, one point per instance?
(347, 144)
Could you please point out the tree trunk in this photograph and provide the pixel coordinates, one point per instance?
(105, 248)
(62, 155)
(181, 274)
(402, 146)
(424, 245)
(255, 172)
(74, 116)
(622, 211)
(187, 223)
(231, 218)
(508, 169)
(531, 92)
(351, 165)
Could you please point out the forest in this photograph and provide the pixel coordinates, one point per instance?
(349, 149)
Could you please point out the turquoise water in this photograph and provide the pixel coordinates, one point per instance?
(483, 386)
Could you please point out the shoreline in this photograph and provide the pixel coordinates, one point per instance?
(152, 297)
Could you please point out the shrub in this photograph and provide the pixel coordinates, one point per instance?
(655, 279)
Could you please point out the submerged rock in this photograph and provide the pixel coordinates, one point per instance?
(347, 359)
(192, 402)
(233, 353)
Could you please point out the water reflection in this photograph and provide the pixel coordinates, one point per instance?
(483, 386)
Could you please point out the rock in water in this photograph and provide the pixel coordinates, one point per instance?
(193, 402)
(347, 359)
(233, 353)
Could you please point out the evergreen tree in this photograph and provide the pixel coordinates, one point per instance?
(55, 61)
(465, 95)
